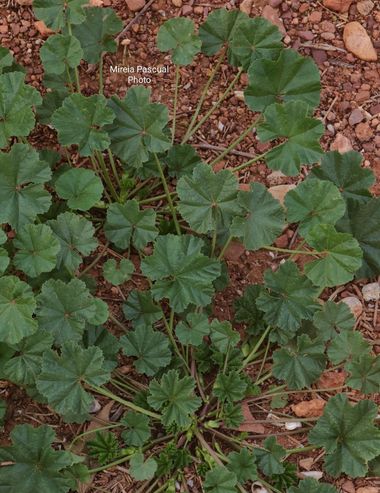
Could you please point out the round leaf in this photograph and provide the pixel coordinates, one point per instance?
(118, 273)
(177, 35)
(80, 187)
(60, 52)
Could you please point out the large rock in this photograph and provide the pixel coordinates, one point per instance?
(271, 15)
(358, 42)
(338, 5)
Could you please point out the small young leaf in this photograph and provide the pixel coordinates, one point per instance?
(175, 398)
(138, 430)
(80, 187)
(151, 348)
(80, 121)
(347, 345)
(300, 365)
(60, 51)
(141, 309)
(63, 378)
(314, 202)
(126, 224)
(333, 318)
(246, 309)
(223, 336)
(365, 374)
(177, 35)
(348, 435)
(208, 200)
(193, 330)
(104, 447)
(290, 121)
(118, 273)
(220, 480)
(310, 485)
(289, 78)
(243, 465)
(264, 220)
(270, 459)
(345, 171)
(140, 470)
(229, 387)
(17, 305)
(57, 13)
(97, 31)
(182, 160)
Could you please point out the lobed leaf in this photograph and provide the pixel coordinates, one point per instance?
(60, 52)
(193, 330)
(333, 318)
(57, 13)
(141, 309)
(177, 36)
(220, 480)
(118, 273)
(82, 188)
(364, 374)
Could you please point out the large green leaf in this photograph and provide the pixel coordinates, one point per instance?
(177, 35)
(57, 13)
(288, 299)
(208, 199)
(63, 309)
(37, 249)
(220, 480)
(138, 429)
(223, 336)
(97, 31)
(340, 256)
(347, 345)
(80, 120)
(175, 398)
(230, 387)
(32, 463)
(150, 347)
(138, 127)
(17, 305)
(289, 78)
(22, 194)
(300, 364)
(193, 330)
(253, 39)
(333, 318)
(364, 374)
(314, 202)
(82, 188)
(348, 435)
(182, 160)
(76, 235)
(270, 458)
(59, 53)
(63, 379)
(16, 106)
(141, 309)
(181, 272)
(264, 221)
(362, 221)
(346, 172)
(243, 465)
(300, 134)
(127, 224)
(310, 485)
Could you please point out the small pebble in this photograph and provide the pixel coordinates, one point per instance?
(371, 292)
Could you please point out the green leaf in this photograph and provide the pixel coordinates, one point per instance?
(60, 52)
(291, 77)
(175, 398)
(346, 172)
(365, 374)
(312, 486)
(333, 318)
(4, 260)
(208, 199)
(218, 29)
(6, 58)
(141, 309)
(341, 256)
(253, 39)
(36, 465)
(243, 465)
(82, 188)
(289, 298)
(270, 459)
(63, 378)
(362, 221)
(346, 346)
(348, 435)
(104, 447)
(80, 120)
(182, 159)
(76, 235)
(138, 429)
(264, 220)
(223, 336)
(246, 309)
(301, 133)
(97, 31)
(57, 13)
(229, 387)
(314, 202)
(118, 273)
(127, 223)
(177, 36)
(22, 194)
(138, 127)
(37, 249)
(181, 272)
(16, 107)
(51, 101)
(193, 330)
(300, 364)
(17, 305)
(64, 308)
(107, 342)
(140, 470)
(150, 347)
(232, 415)
(220, 480)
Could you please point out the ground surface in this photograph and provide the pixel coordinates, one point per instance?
(350, 107)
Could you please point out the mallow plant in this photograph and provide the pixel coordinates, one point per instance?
(127, 194)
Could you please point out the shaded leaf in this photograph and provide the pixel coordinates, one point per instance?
(312, 486)
(138, 429)
(141, 309)
(365, 374)
(333, 318)
(223, 336)
(193, 330)
(270, 459)
(246, 309)
(220, 480)
(177, 36)
(243, 465)
(118, 273)
(141, 470)
(230, 387)
(347, 345)
(182, 159)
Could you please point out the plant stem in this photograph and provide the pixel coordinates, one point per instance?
(248, 163)
(156, 198)
(213, 241)
(116, 321)
(265, 377)
(106, 175)
(257, 346)
(287, 250)
(300, 450)
(101, 86)
(91, 432)
(168, 195)
(110, 465)
(169, 329)
(226, 245)
(176, 87)
(113, 166)
(204, 94)
(264, 360)
(94, 262)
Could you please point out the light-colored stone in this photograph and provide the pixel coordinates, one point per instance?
(341, 143)
(365, 7)
(307, 463)
(275, 178)
(355, 117)
(239, 95)
(371, 292)
(279, 191)
(358, 42)
(309, 409)
(312, 474)
(25, 3)
(246, 6)
(177, 3)
(354, 304)
(367, 489)
(338, 5)
(364, 132)
(42, 28)
(272, 16)
(135, 5)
